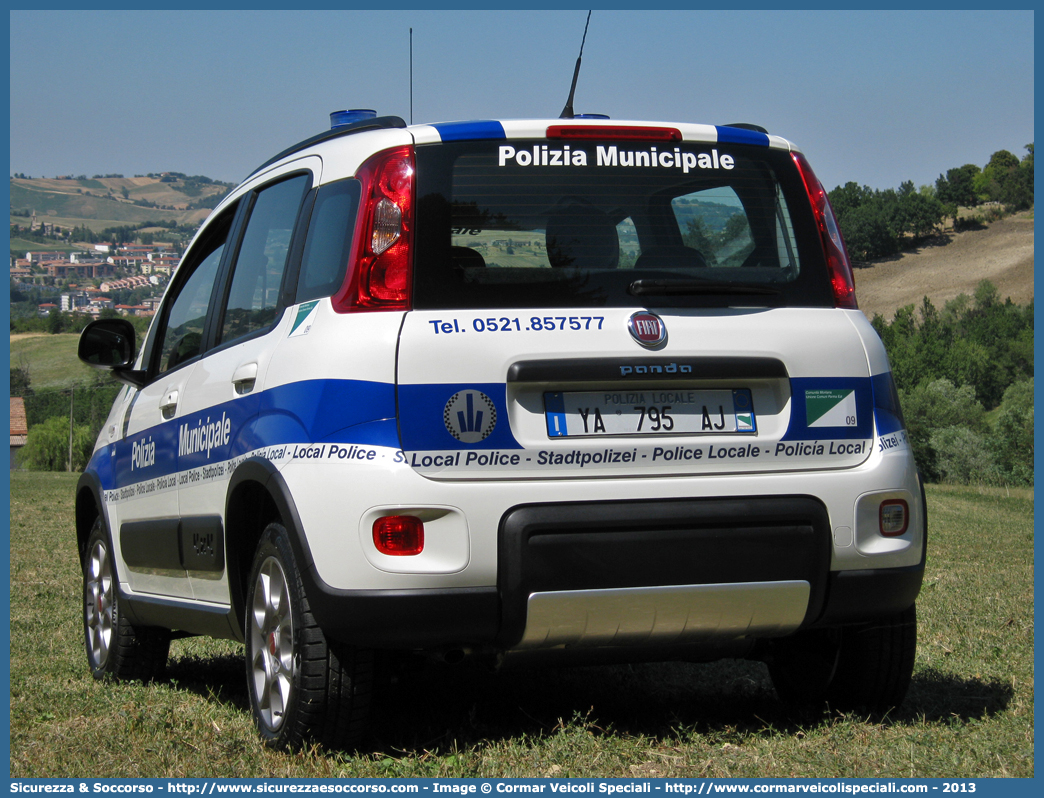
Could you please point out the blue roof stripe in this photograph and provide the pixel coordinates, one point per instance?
(470, 131)
(738, 135)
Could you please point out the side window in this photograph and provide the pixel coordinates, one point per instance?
(329, 240)
(254, 294)
(715, 223)
(181, 336)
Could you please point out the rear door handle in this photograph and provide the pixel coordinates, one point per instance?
(244, 378)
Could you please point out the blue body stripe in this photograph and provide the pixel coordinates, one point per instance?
(364, 413)
(421, 413)
(887, 414)
(738, 135)
(470, 131)
(313, 411)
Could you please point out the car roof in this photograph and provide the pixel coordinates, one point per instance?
(492, 129)
(503, 129)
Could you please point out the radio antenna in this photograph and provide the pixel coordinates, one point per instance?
(411, 76)
(567, 112)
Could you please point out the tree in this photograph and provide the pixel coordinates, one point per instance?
(55, 321)
(957, 188)
(20, 385)
(868, 233)
(1016, 186)
(47, 446)
(964, 456)
(1013, 439)
(736, 226)
(1002, 183)
(844, 199)
(698, 236)
(1002, 160)
(917, 213)
(935, 406)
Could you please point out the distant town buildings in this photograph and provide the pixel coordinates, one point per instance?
(121, 268)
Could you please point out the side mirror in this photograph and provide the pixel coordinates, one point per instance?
(109, 344)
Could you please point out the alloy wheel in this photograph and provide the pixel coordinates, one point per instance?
(272, 643)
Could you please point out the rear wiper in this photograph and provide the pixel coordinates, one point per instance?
(677, 287)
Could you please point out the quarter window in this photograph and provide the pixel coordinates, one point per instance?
(329, 241)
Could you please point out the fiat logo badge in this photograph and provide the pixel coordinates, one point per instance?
(647, 329)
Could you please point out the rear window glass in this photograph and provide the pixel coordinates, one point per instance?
(537, 224)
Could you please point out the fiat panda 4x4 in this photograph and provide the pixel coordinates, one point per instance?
(566, 390)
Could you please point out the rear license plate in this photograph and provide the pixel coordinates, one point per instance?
(572, 414)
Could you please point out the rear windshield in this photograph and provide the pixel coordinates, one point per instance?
(549, 224)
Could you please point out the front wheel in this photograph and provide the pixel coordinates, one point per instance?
(866, 666)
(113, 646)
(301, 686)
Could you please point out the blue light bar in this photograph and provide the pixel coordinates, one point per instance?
(341, 118)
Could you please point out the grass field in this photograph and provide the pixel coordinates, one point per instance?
(52, 360)
(969, 712)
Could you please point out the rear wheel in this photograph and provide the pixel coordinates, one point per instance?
(875, 664)
(302, 687)
(113, 646)
(865, 666)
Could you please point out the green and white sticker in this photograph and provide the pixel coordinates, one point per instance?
(303, 320)
(831, 407)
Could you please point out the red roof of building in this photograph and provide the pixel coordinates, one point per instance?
(19, 426)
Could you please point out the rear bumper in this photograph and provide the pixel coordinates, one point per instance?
(632, 575)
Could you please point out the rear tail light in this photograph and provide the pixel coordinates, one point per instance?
(894, 517)
(380, 273)
(838, 265)
(399, 535)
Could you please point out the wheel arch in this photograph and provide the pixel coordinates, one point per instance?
(88, 507)
(257, 496)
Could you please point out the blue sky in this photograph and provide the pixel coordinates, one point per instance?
(875, 97)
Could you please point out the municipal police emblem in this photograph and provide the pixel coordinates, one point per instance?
(470, 416)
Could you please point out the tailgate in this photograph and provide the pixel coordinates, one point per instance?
(572, 393)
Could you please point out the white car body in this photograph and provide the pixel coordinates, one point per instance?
(332, 420)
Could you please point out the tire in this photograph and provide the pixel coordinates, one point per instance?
(875, 664)
(114, 648)
(301, 687)
(803, 666)
(861, 667)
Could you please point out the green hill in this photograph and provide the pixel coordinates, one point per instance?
(21, 245)
(110, 202)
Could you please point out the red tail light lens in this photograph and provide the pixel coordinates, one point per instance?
(380, 273)
(838, 265)
(614, 133)
(399, 535)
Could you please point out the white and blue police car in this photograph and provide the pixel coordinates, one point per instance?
(567, 390)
